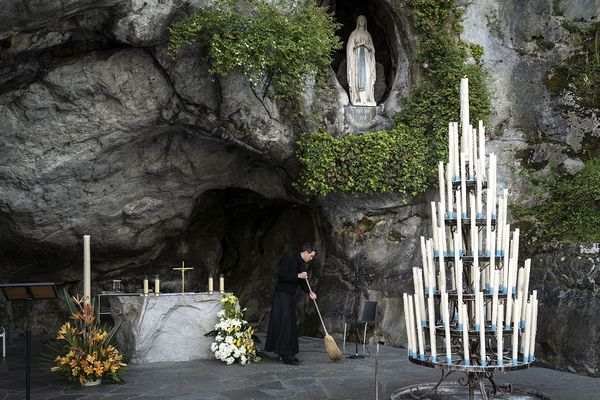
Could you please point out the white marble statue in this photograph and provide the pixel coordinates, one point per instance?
(360, 65)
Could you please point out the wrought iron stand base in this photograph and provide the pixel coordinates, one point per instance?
(463, 391)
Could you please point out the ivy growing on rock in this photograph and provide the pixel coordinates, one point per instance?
(420, 135)
(275, 45)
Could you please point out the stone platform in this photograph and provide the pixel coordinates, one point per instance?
(169, 327)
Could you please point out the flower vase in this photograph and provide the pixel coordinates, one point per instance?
(92, 382)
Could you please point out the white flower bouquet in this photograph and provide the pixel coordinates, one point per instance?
(233, 342)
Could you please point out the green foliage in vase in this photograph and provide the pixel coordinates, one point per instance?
(569, 212)
(405, 158)
(278, 46)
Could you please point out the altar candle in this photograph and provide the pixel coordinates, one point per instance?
(442, 187)
(422, 302)
(470, 156)
(407, 323)
(533, 327)
(145, 286)
(463, 185)
(459, 216)
(459, 284)
(464, 108)
(527, 273)
(506, 261)
(424, 262)
(515, 255)
(456, 168)
(450, 149)
(87, 270)
(494, 284)
(465, 322)
(156, 285)
(527, 332)
(456, 260)
(509, 297)
(473, 224)
(221, 283)
(492, 182)
(477, 311)
(499, 336)
(434, 226)
(515, 335)
(431, 268)
(419, 318)
(450, 194)
(481, 132)
(482, 332)
(519, 287)
(500, 229)
(432, 329)
(447, 328)
(411, 315)
(442, 267)
(442, 231)
(210, 284)
(478, 193)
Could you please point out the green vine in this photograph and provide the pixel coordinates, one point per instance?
(275, 46)
(570, 209)
(405, 158)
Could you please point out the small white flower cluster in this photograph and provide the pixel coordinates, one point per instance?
(226, 351)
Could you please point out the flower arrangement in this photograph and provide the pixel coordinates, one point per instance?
(85, 350)
(233, 341)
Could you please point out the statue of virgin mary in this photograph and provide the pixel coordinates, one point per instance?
(360, 65)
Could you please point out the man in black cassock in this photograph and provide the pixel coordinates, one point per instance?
(282, 337)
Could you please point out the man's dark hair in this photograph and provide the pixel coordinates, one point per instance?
(308, 246)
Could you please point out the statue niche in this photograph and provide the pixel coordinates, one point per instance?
(360, 65)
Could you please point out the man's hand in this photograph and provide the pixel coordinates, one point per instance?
(303, 275)
(313, 295)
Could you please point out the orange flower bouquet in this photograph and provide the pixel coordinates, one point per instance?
(85, 352)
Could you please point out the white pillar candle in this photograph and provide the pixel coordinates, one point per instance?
(450, 150)
(533, 327)
(418, 321)
(442, 187)
(442, 268)
(493, 259)
(434, 226)
(87, 270)
(482, 332)
(432, 329)
(221, 283)
(477, 310)
(494, 284)
(431, 268)
(411, 316)
(481, 132)
(515, 249)
(447, 329)
(407, 322)
(459, 215)
(456, 168)
(464, 108)
(528, 318)
(463, 185)
(450, 194)
(424, 263)
(465, 322)
(210, 284)
(459, 284)
(499, 336)
(456, 260)
(473, 224)
(500, 229)
(470, 158)
(492, 182)
(527, 273)
(146, 290)
(479, 194)
(506, 259)
(519, 287)
(442, 231)
(423, 313)
(515, 335)
(156, 285)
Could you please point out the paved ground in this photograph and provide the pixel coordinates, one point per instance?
(317, 378)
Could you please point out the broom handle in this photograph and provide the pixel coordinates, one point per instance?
(318, 312)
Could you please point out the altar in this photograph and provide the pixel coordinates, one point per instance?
(169, 327)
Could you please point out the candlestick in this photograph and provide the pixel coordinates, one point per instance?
(450, 194)
(459, 216)
(500, 336)
(450, 150)
(492, 182)
(145, 286)
(422, 303)
(470, 153)
(434, 226)
(528, 318)
(464, 108)
(478, 192)
(442, 188)
(495, 300)
(419, 320)
(156, 285)
(456, 168)
(87, 270)
(533, 327)
(430, 268)
(515, 335)
(459, 286)
(424, 263)
(500, 230)
(210, 284)
(447, 329)
(527, 273)
(442, 232)
(481, 132)
(463, 186)
(432, 329)
(465, 323)
(506, 259)
(221, 283)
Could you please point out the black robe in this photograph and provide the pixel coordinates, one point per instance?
(282, 336)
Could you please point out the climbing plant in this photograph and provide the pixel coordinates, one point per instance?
(276, 45)
(420, 135)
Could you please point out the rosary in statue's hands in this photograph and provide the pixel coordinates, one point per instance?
(313, 295)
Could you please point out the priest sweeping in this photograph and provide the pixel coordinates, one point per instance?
(282, 337)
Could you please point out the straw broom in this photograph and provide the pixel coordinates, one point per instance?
(333, 351)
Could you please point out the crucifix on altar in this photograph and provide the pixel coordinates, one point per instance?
(182, 269)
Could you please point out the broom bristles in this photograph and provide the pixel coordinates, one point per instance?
(333, 351)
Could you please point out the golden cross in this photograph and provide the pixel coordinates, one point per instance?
(182, 269)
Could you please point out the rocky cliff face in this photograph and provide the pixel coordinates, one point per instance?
(105, 134)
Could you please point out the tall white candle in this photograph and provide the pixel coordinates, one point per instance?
(459, 216)
(471, 146)
(407, 323)
(430, 268)
(482, 332)
(459, 283)
(450, 150)
(463, 185)
(418, 322)
(450, 194)
(411, 315)
(528, 318)
(442, 268)
(500, 229)
(494, 285)
(515, 335)
(479, 194)
(465, 323)
(424, 263)
(456, 168)
(447, 329)
(477, 311)
(520, 277)
(527, 273)
(481, 131)
(434, 226)
(422, 302)
(442, 187)
(87, 270)
(464, 108)
(492, 182)
(442, 231)
(432, 329)
(506, 261)
(499, 336)
(533, 327)
(146, 290)
(515, 243)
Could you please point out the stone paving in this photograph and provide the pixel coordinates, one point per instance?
(316, 378)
